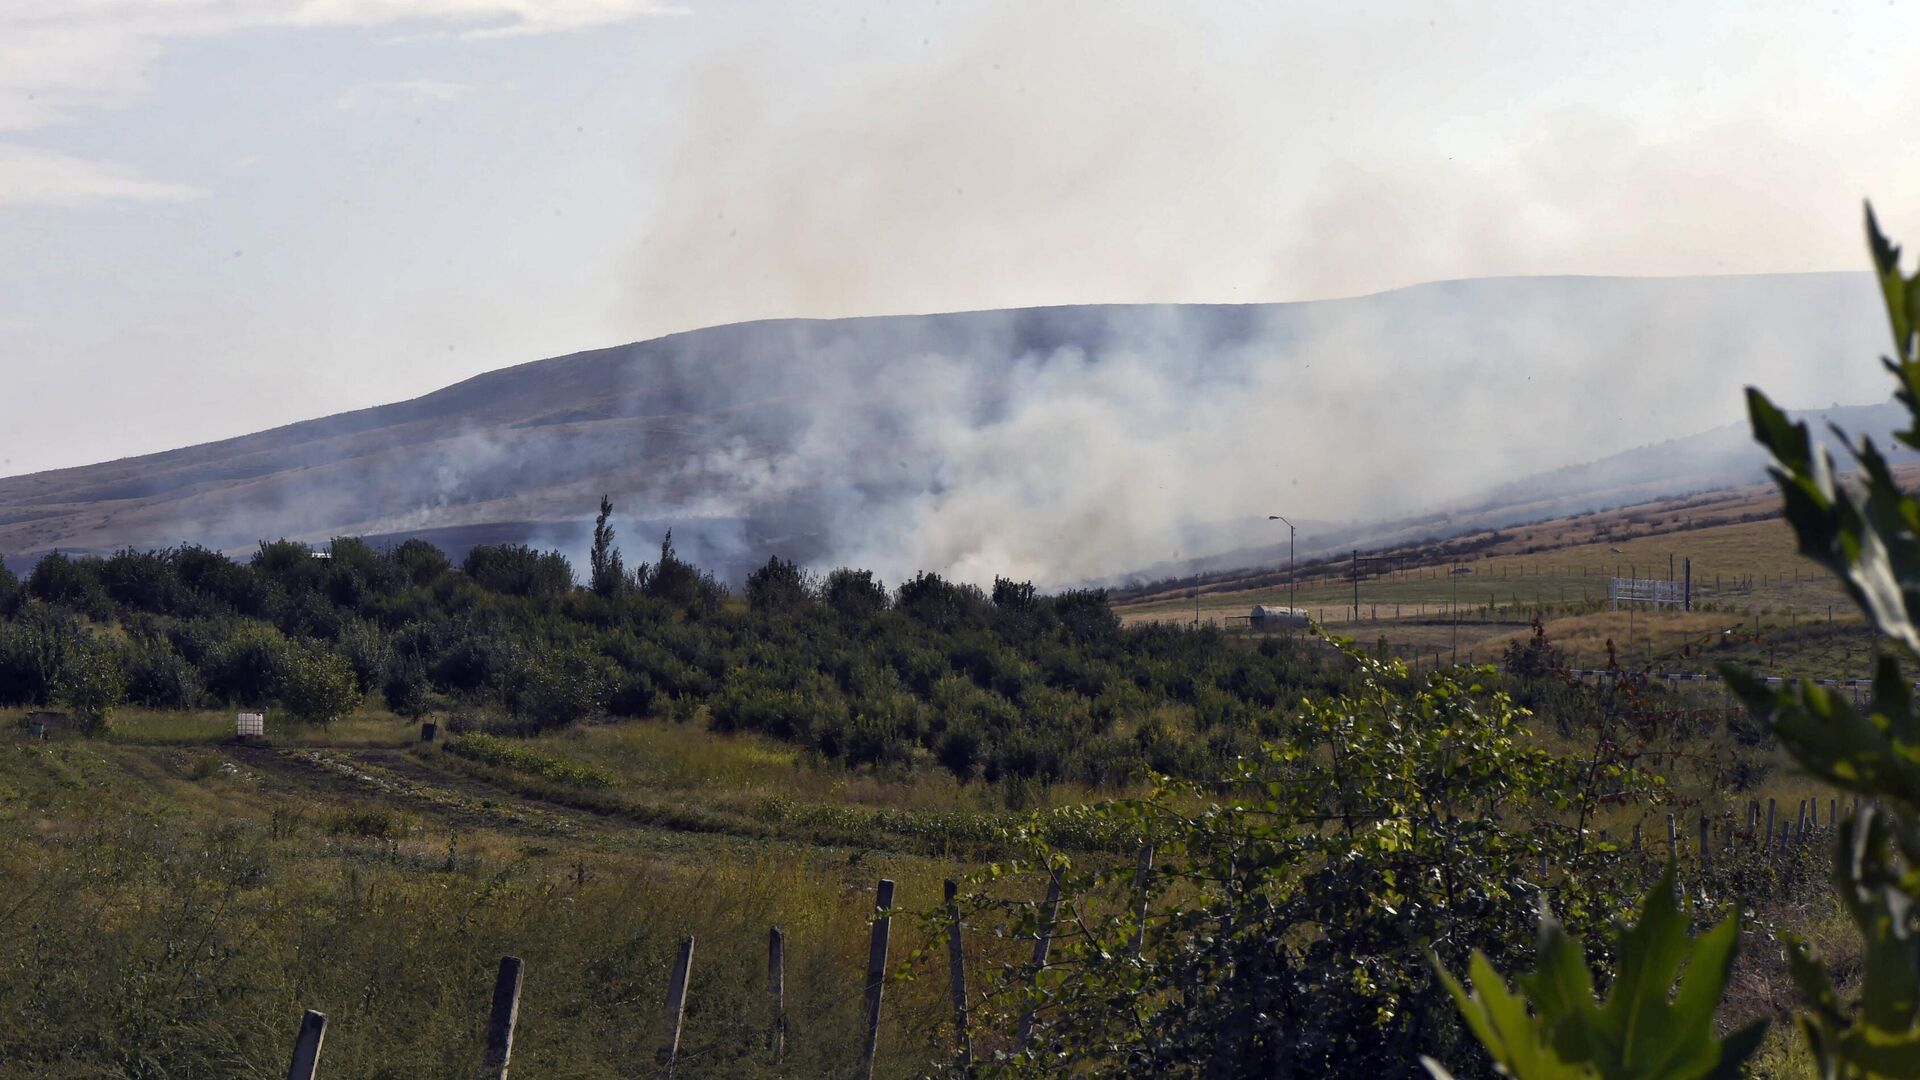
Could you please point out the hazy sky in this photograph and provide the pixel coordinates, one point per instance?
(221, 215)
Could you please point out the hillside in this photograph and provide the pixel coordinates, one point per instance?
(1060, 444)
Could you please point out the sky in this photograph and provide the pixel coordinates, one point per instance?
(217, 216)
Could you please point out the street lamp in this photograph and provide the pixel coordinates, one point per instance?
(1293, 584)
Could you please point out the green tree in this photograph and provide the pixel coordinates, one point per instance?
(854, 594)
(9, 589)
(315, 684)
(418, 561)
(90, 682)
(1290, 906)
(780, 585)
(406, 687)
(72, 583)
(608, 573)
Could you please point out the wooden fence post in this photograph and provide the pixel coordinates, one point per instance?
(1140, 872)
(1636, 836)
(1800, 824)
(306, 1046)
(676, 1005)
(877, 972)
(500, 1021)
(1833, 814)
(1673, 842)
(777, 986)
(957, 973)
(1042, 942)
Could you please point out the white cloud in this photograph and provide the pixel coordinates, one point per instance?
(34, 176)
(60, 59)
(368, 95)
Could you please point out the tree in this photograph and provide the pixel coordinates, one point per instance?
(90, 682)
(1292, 902)
(518, 570)
(418, 561)
(315, 683)
(854, 594)
(9, 589)
(679, 582)
(780, 585)
(608, 575)
(406, 687)
(73, 583)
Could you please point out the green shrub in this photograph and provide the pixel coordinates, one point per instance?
(315, 684)
(494, 750)
(1864, 530)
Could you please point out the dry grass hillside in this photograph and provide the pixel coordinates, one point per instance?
(1756, 599)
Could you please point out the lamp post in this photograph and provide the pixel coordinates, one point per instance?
(1293, 585)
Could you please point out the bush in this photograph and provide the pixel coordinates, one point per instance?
(160, 678)
(518, 570)
(90, 682)
(243, 666)
(778, 586)
(1294, 901)
(556, 688)
(854, 594)
(493, 750)
(315, 684)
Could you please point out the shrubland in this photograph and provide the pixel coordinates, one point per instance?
(1178, 853)
(1008, 686)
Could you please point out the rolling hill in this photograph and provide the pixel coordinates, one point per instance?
(1055, 443)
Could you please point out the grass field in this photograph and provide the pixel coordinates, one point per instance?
(186, 896)
(361, 873)
(1757, 601)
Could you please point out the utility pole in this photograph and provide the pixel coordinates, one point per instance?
(1293, 583)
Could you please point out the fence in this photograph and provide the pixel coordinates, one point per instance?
(1791, 833)
(505, 1011)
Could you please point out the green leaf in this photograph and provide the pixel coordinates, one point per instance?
(1644, 1030)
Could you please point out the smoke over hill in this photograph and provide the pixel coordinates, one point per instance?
(1054, 443)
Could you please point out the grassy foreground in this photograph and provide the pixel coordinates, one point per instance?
(177, 902)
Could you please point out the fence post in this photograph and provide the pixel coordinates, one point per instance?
(1800, 823)
(1636, 836)
(1673, 842)
(500, 1021)
(1833, 814)
(877, 972)
(676, 1005)
(957, 973)
(777, 986)
(1042, 942)
(1140, 872)
(1753, 817)
(306, 1046)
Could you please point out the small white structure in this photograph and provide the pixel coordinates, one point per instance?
(1647, 591)
(1268, 617)
(252, 725)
